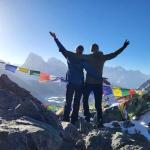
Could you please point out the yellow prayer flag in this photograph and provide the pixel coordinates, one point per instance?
(117, 92)
(21, 69)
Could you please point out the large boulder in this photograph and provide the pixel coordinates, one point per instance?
(115, 139)
(72, 138)
(84, 126)
(16, 102)
(112, 114)
(124, 141)
(138, 105)
(98, 140)
(26, 133)
(6, 83)
(71, 132)
(38, 128)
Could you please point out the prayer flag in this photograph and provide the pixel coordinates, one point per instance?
(125, 92)
(21, 69)
(35, 73)
(132, 91)
(107, 90)
(117, 92)
(10, 68)
(139, 92)
(44, 77)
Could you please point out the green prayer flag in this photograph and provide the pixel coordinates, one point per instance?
(35, 73)
(125, 92)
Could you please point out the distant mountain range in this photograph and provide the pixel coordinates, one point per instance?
(52, 66)
(145, 86)
(125, 78)
(118, 76)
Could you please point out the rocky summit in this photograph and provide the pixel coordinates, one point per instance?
(25, 124)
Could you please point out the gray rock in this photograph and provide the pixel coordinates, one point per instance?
(71, 132)
(98, 140)
(26, 125)
(112, 114)
(114, 139)
(128, 124)
(80, 145)
(115, 124)
(16, 102)
(84, 126)
(124, 141)
(27, 133)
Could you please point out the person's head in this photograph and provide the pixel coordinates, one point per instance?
(95, 48)
(79, 50)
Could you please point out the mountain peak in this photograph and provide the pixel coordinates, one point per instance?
(34, 56)
(54, 59)
(34, 61)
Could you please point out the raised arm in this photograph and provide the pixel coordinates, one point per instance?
(117, 52)
(62, 49)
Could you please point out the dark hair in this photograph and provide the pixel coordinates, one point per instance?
(95, 45)
(80, 47)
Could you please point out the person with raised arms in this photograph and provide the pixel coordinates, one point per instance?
(97, 59)
(75, 79)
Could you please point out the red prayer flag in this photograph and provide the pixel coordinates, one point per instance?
(44, 77)
(132, 91)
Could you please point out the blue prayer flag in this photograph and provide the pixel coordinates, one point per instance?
(10, 68)
(107, 90)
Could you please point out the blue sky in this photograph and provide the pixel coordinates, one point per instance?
(24, 27)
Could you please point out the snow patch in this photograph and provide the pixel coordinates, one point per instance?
(140, 126)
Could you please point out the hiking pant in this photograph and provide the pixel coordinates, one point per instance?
(73, 93)
(97, 90)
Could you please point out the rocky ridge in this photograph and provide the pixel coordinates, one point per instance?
(25, 124)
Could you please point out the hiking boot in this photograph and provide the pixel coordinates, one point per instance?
(66, 119)
(75, 123)
(100, 125)
(87, 119)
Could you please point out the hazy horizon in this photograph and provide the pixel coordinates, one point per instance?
(64, 61)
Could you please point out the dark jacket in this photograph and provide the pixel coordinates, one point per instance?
(97, 62)
(75, 74)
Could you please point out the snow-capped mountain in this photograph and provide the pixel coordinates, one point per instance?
(52, 66)
(125, 78)
(145, 86)
(117, 76)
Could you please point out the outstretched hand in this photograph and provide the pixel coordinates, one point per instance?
(52, 34)
(126, 43)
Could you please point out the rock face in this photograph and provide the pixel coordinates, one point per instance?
(71, 132)
(26, 125)
(114, 139)
(16, 102)
(28, 134)
(112, 114)
(138, 105)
